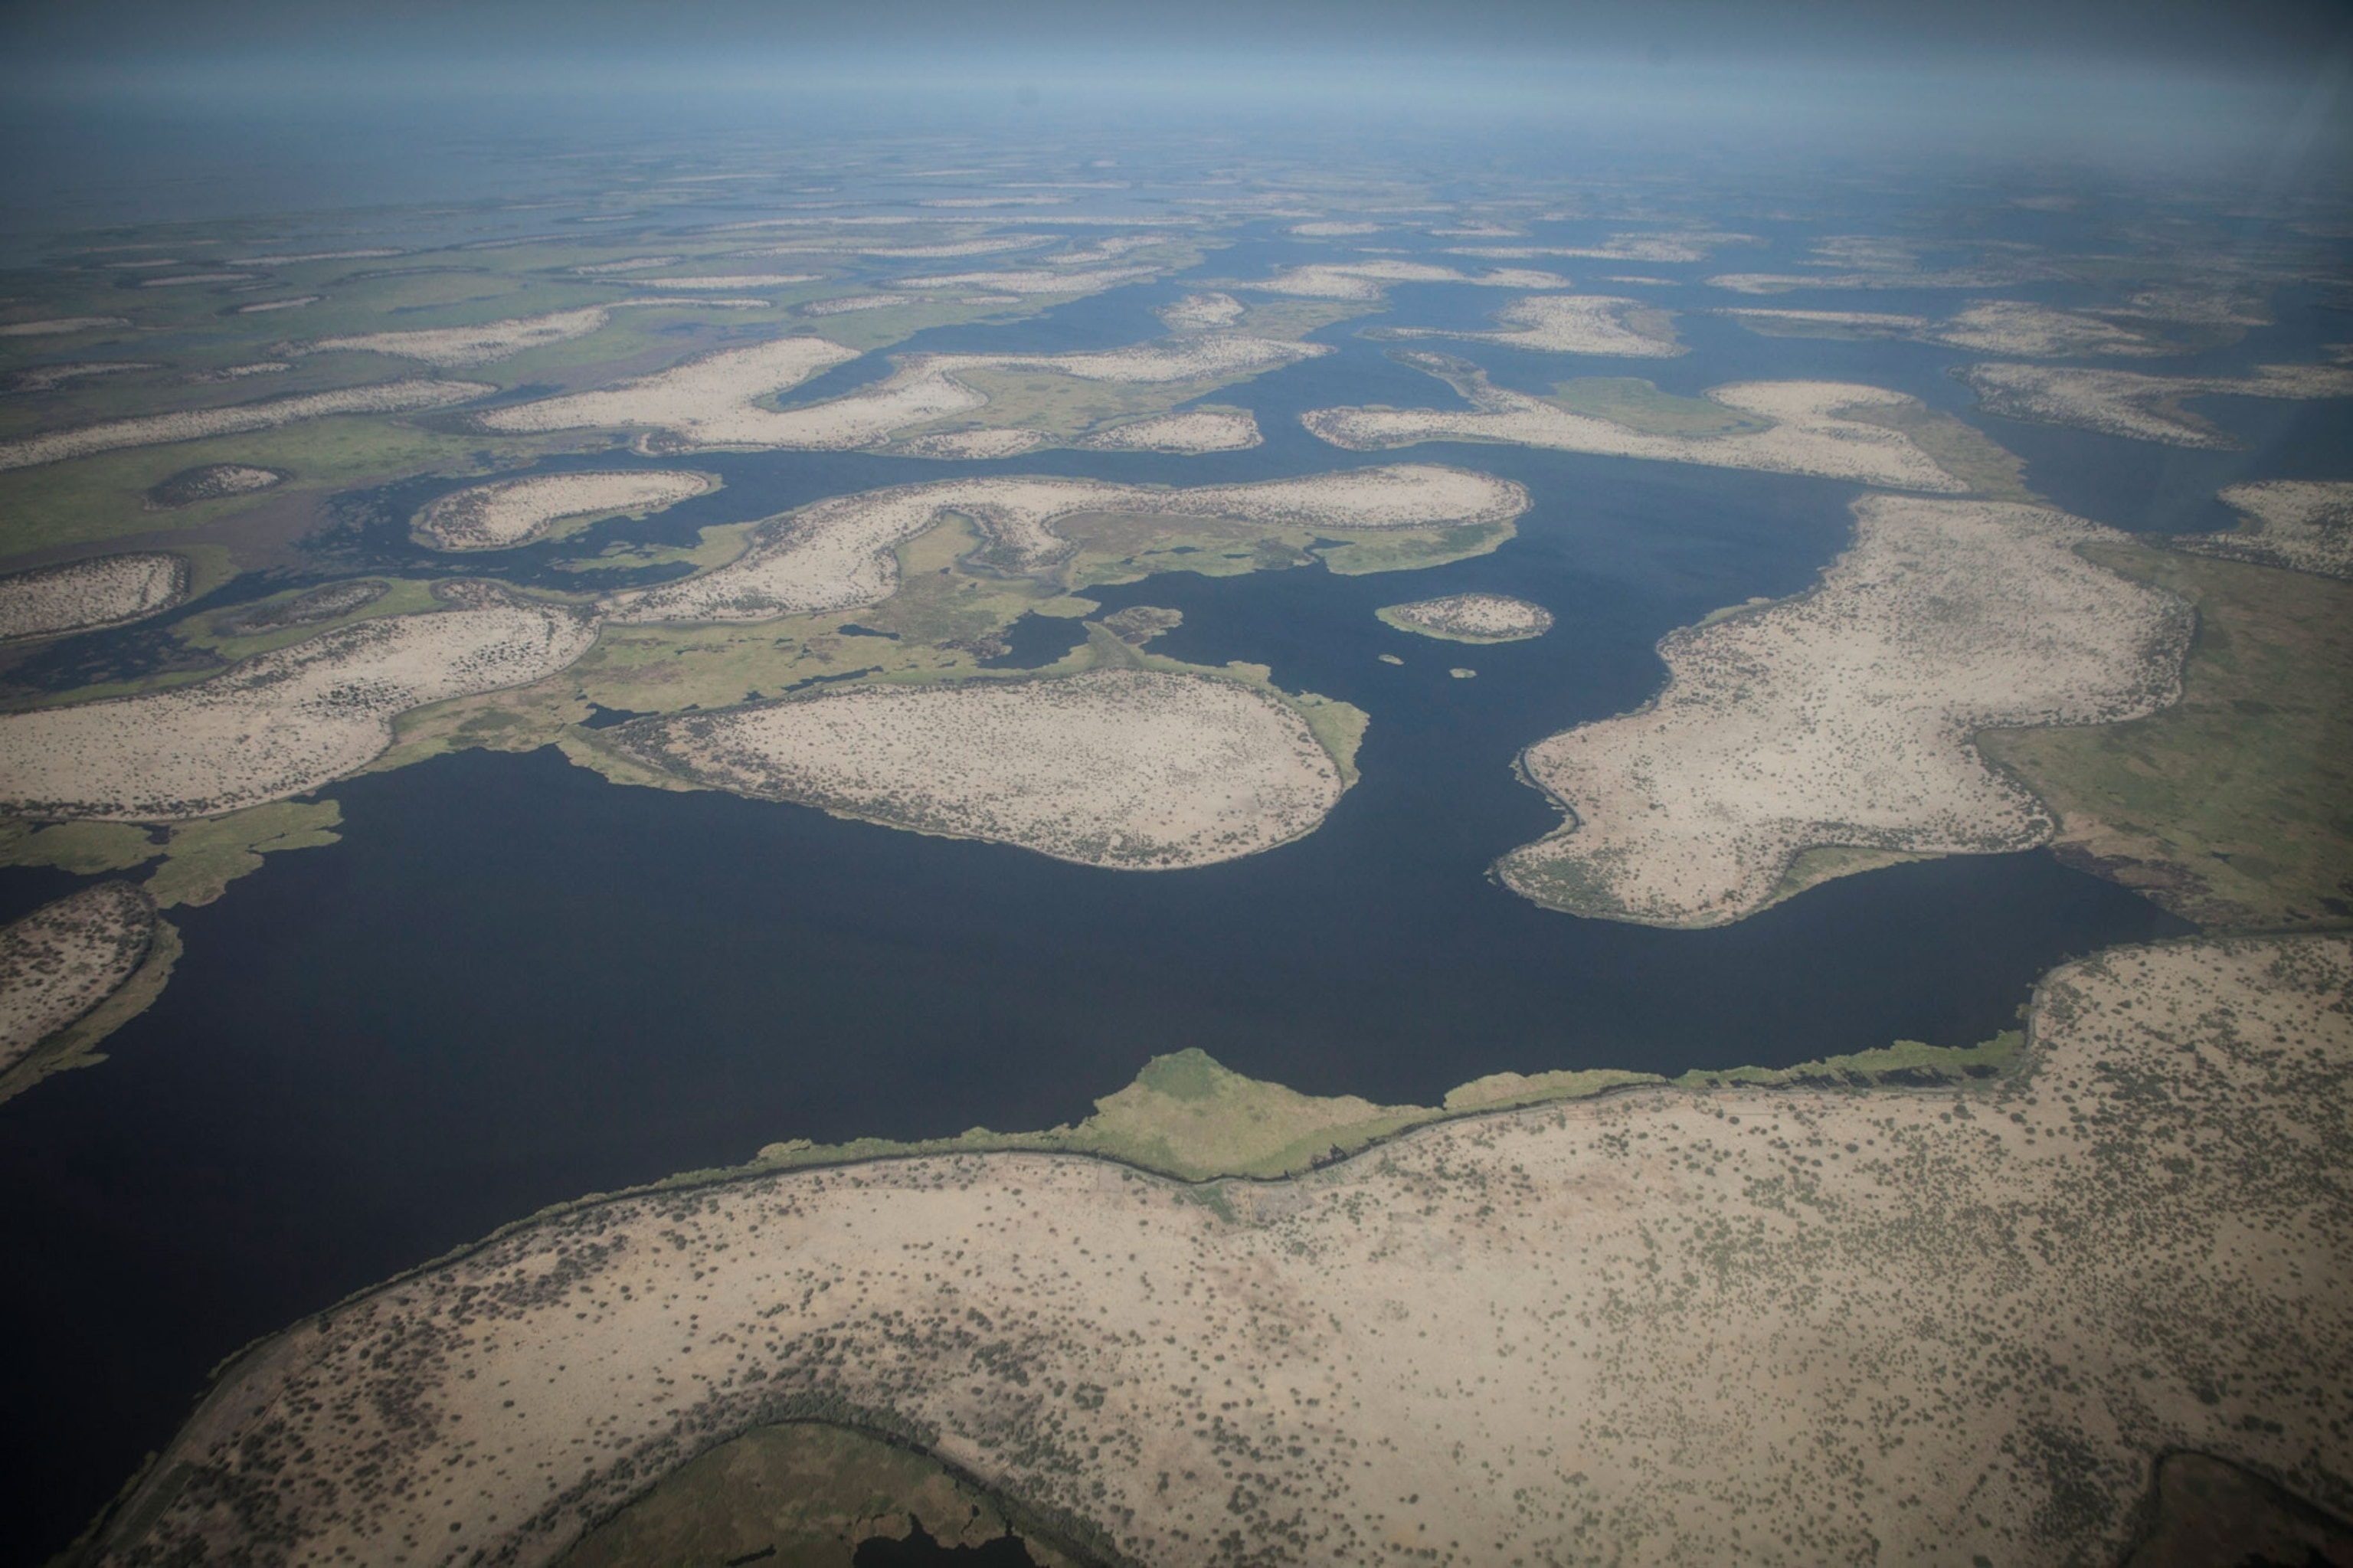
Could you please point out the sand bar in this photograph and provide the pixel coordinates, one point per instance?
(66, 958)
(1573, 323)
(57, 326)
(506, 512)
(1131, 770)
(1807, 435)
(1842, 717)
(104, 590)
(196, 424)
(2305, 525)
(1471, 618)
(1661, 1326)
(837, 553)
(282, 722)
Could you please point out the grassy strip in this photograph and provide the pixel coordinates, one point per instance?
(76, 1046)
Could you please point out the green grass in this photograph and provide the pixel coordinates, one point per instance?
(1960, 449)
(2233, 808)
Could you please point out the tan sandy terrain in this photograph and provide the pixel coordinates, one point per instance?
(510, 511)
(480, 344)
(261, 307)
(1471, 618)
(837, 553)
(1134, 769)
(282, 722)
(709, 402)
(1193, 430)
(732, 280)
(59, 326)
(66, 958)
(183, 280)
(1032, 282)
(1808, 433)
(1333, 228)
(2306, 525)
(845, 304)
(1201, 313)
(2141, 408)
(1574, 324)
(1370, 280)
(104, 590)
(986, 245)
(1858, 323)
(1842, 717)
(1788, 1327)
(196, 424)
(1986, 326)
(629, 264)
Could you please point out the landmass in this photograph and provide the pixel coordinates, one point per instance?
(2014, 327)
(2305, 525)
(1841, 719)
(82, 595)
(2138, 406)
(506, 512)
(195, 424)
(1366, 281)
(60, 962)
(1142, 770)
(1691, 1318)
(1469, 617)
(1571, 324)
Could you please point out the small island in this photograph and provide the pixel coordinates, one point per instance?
(1469, 617)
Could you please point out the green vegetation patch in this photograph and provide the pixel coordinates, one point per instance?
(2234, 808)
(1960, 449)
(200, 859)
(1639, 404)
(1907, 1063)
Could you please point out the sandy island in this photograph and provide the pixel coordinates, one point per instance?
(2306, 525)
(196, 424)
(63, 959)
(212, 481)
(79, 596)
(1744, 1325)
(1370, 280)
(1201, 313)
(2014, 327)
(59, 326)
(1807, 431)
(1133, 770)
(282, 722)
(1841, 718)
(2142, 408)
(1469, 617)
(506, 512)
(1572, 324)
(836, 554)
(1193, 430)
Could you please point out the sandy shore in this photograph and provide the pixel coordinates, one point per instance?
(1842, 717)
(837, 553)
(1371, 280)
(66, 958)
(1573, 323)
(1471, 618)
(1131, 769)
(1807, 434)
(2141, 408)
(1786, 1328)
(709, 402)
(161, 430)
(280, 723)
(2306, 525)
(510, 511)
(104, 590)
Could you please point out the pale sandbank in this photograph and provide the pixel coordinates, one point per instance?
(63, 959)
(82, 595)
(507, 513)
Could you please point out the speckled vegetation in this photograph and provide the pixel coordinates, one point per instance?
(1771, 1325)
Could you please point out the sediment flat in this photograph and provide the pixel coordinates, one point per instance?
(1131, 769)
(282, 722)
(1842, 717)
(837, 553)
(506, 512)
(79, 596)
(196, 424)
(1738, 1325)
(2305, 525)
(1807, 434)
(66, 958)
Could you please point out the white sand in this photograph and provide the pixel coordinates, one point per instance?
(2305, 525)
(1808, 435)
(1574, 324)
(708, 402)
(2140, 408)
(837, 553)
(1194, 430)
(1370, 280)
(66, 958)
(1131, 769)
(1472, 618)
(1201, 313)
(506, 512)
(280, 723)
(59, 326)
(1743, 1327)
(1032, 282)
(104, 590)
(196, 424)
(1843, 717)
